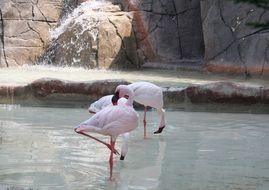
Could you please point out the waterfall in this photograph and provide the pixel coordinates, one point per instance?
(86, 8)
(75, 39)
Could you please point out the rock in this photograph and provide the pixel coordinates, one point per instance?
(25, 29)
(95, 35)
(231, 45)
(227, 92)
(168, 30)
(47, 86)
(56, 92)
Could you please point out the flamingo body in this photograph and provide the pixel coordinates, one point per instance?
(147, 94)
(100, 104)
(112, 120)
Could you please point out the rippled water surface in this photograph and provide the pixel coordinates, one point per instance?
(39, 149)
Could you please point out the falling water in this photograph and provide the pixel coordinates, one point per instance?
(87, 8)
(74, 40)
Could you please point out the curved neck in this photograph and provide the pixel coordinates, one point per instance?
(130, 100)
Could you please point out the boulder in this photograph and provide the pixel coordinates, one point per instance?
(95, 35)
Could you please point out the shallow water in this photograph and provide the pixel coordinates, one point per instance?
(197, 150)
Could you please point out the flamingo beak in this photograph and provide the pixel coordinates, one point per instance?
(92, 112)
(122, 157)
(115, 98)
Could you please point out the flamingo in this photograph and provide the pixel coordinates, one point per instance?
(101, 104)
(112, 121)
(149, 94)
(145, 93)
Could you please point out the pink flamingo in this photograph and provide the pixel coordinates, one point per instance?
(100, 104)
(148, 94)
(112, 121)
(145, 93)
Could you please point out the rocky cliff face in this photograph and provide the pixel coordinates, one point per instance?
(167, 30)
(128, 33)
(231, 45)
(24, 29)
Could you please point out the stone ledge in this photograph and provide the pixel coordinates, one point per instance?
(54, 92)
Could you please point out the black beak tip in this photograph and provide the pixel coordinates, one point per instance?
(122, 157)
(159, 130)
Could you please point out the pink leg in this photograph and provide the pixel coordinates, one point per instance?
(112, 143)
(106, 144)
(145, 122)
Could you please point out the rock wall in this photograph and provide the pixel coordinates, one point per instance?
(231, 46)
(167, 30)
(129, 33)
(24, 29)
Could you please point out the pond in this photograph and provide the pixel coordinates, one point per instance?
(197, 150)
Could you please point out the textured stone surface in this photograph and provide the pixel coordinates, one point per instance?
(56, 92)
(167, 30)
(227, 92)
(95, 36)
(24, 29)
(230, 45)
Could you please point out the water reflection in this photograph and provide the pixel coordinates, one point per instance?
(39, 149)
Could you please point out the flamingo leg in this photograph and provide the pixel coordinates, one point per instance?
(145, 122)
(162, 121)
(112, 143)
(106, 144)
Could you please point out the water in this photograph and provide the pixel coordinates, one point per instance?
(197, 150)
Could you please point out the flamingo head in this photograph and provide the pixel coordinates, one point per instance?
(121, 91)
(115, 98)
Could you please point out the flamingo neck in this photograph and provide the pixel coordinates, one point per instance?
(130, 100)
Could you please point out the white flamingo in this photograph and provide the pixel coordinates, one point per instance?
(145, 93)
(149, 94)
(112, 121)
(101, 104)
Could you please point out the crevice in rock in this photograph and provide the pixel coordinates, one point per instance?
(178, 31)
(122, 42)
(3, 38)
(266, 58)
(260, 31)
(45, 18)
(36, 20)
(151, 30)
(15, 3)
(33, 13)
(42, 41)
(224, 22)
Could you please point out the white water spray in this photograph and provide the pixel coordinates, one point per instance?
(81, 15)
